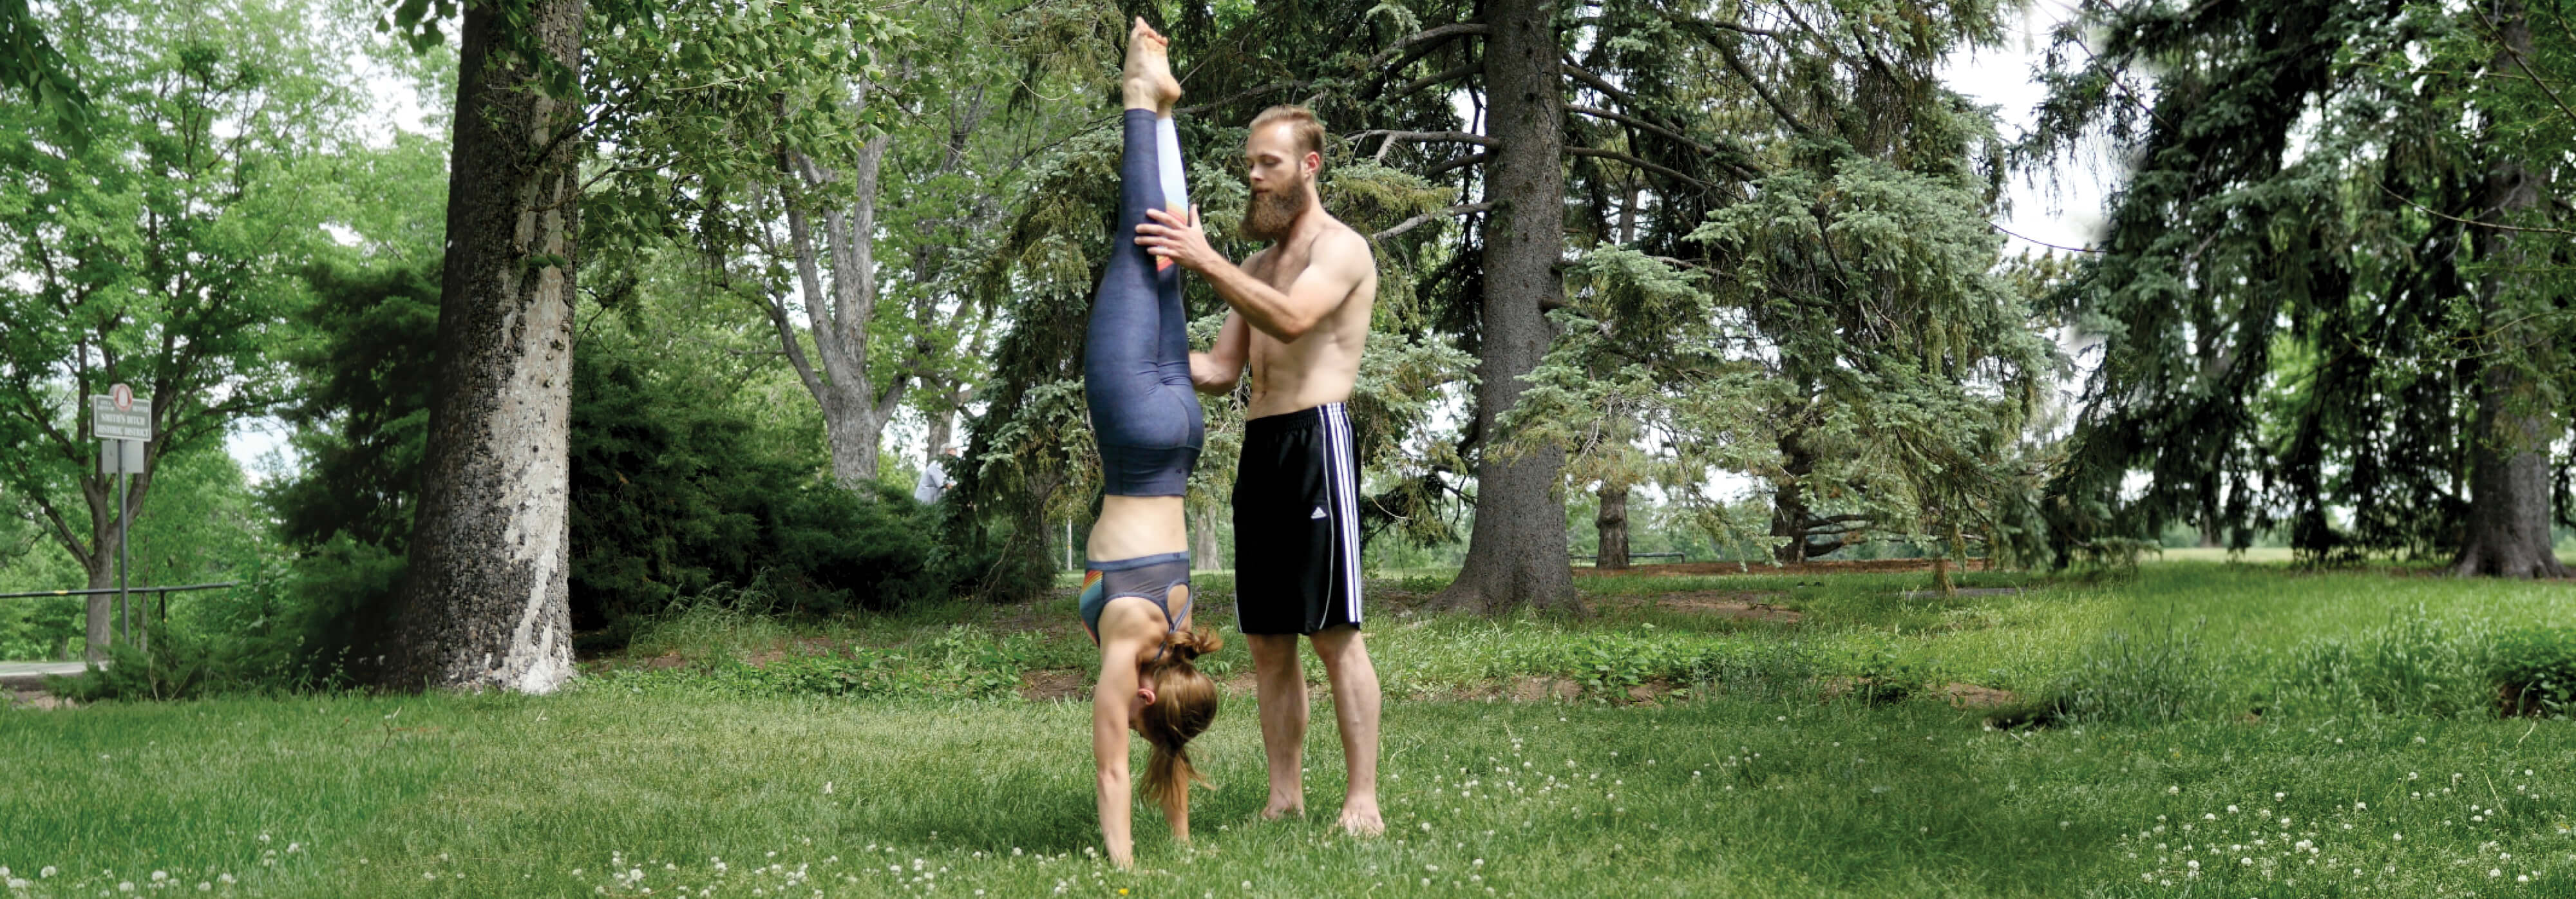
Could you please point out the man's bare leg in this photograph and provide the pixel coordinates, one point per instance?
(1355, 708)
(1147, 81)
(1280, 683)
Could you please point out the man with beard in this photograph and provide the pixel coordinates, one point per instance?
(1300, 314)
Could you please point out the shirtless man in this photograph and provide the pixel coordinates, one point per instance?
(1300, 316)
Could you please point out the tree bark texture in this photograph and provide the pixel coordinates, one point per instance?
(485, 606)
(1612, 524)
(855, 412)
(2508, 523)
(1206, 551)
(1517, 553)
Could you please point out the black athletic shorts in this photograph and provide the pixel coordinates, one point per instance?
(1297, 524)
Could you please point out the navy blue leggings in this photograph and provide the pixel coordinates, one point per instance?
(1136, 357)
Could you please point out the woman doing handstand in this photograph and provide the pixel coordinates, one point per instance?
(1136, 380)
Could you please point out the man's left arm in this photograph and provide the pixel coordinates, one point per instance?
(1337, 264)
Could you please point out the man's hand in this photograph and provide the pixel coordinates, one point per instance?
(1178, 239)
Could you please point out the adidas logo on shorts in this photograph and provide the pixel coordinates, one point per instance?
(1319, 514)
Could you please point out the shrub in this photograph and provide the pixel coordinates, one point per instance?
(2414, 665)
(185, 664)
(2128, 677)
(2534, 671)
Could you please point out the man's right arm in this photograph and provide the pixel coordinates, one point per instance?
(1221, 367)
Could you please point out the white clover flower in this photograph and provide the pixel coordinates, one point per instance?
(203, 886)
(49, 872)
(126, 886)
(2173, 790)
(2276, 797)
(2495, 872)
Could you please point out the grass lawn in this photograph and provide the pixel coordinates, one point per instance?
(642, 781)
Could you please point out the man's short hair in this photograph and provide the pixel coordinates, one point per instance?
(1308, 129)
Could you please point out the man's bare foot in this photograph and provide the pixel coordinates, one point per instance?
(1360, 818)
(1147, 82)
(1281, 807)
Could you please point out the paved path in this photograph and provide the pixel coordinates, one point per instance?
(32, 674)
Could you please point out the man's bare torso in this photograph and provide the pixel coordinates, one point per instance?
(1321, 366)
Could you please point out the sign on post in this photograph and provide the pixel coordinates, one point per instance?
(114, 417)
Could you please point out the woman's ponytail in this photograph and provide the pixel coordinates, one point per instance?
(1185, 703)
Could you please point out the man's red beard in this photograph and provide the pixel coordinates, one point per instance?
(1271, 213)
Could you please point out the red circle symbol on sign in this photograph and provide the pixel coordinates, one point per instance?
(123, 396)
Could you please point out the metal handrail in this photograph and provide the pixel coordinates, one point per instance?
(114, 590)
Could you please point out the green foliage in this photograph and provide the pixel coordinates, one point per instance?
(670, 498)
(2534, 671)
(2304, 283)
(364, 408)
(161, 252)
(31, 66)
(183, 664)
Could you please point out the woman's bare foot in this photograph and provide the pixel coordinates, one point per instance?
(1360, 819)
(1148, 82)
(1281, 808)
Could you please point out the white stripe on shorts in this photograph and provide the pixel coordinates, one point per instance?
(1341, 481)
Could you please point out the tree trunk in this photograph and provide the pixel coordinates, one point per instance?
(855, 413)
(485, 605)
(941, 424)
(1612, 523)
(1205, 550)
(2508, 526)
(1791, 517)
(1517, 552)
(2211, 536)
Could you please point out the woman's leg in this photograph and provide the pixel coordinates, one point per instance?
(1144, 414)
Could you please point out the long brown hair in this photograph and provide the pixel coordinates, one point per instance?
(1185, 704)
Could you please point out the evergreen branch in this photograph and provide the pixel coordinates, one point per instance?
(1397, 137)
(1421, 43)
(1736, 65)
(2012, 233)
(1417, 221)
(2519, 63)
(1264, 90)
(1429, 80)
(1616, 156)
(1642, 125)
(1458, 163)
(2419, 207)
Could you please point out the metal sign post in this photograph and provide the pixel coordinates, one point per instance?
(123, 431)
